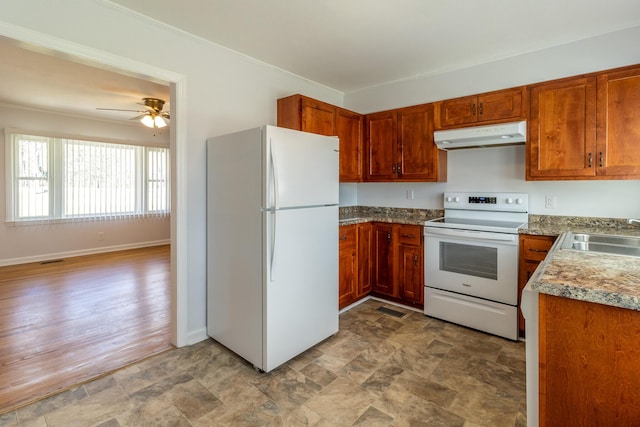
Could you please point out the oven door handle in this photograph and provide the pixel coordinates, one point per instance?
(468, 234)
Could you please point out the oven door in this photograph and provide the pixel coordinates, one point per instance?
(476, 263)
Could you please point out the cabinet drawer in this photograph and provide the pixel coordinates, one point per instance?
(409, 235)
(347, 235)
(536, 249)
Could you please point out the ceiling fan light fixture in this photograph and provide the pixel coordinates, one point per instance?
(159, 122)
(148, 121)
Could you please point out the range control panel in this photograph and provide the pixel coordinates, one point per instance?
(483, 199)
(503, 202)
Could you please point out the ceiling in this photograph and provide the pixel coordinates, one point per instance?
(353, 44)
(53, 82)
(347, 45)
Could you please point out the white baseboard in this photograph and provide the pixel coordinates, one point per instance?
(196, 336)
(90, 251)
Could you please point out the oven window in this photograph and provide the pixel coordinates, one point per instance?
(471, 260)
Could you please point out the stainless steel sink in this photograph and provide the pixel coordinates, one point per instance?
(606, 239)
(617, 245)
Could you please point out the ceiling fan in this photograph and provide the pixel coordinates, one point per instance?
(152, 117)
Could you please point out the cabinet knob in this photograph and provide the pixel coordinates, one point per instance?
(393, 168)
(415, 260)
(388, 237)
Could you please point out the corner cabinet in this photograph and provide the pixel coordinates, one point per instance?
(586, 127)
(399, 146)
(398, 254)
(491, 107)
(533, 250)
(310, 115)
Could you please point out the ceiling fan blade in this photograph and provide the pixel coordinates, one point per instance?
(119, 109)
(138, 117)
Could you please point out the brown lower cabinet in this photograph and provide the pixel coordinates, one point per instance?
(347, 265)
(382, 259)
(398, 272)
(588, 367)
(533, 250)
(354, 264)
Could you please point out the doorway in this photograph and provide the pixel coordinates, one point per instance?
(176, 82)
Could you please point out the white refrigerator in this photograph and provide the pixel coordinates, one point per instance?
(272, 242)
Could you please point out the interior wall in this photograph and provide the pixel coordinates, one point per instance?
(225, 92)
(503, 169)
(30, 243)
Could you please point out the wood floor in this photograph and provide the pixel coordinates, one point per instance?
(64, 323)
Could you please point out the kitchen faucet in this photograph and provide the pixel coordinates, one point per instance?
(632, 220)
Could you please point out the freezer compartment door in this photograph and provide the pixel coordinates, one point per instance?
(301, 284)
(301, 169)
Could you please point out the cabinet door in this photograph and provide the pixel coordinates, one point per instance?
(417, 152)
(501, 105)
(349, 129)
(381, 157)
(347, 265)
(458, 111)
(619, 124)
(365, 255)
(562, 130)
(533, 250)
(383, 277)
(410, 270)
(410, 264)
(588, 364)
(318, 117)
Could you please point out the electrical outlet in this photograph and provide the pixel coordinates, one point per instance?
(410, 194)
(100, 236)
(550, 202)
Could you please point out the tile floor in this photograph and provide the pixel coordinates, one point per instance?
(379, 370)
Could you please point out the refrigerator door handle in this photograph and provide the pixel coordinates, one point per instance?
(272, 275)
(273, 199)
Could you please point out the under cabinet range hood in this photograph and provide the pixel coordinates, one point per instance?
(482, 136)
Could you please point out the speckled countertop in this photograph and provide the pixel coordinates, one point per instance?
(359, 214)
(589, 276)
(552, 225)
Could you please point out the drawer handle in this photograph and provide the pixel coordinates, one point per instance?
(539, 250)
(409, 236)
(343, 237)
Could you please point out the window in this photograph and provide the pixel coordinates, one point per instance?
(59, 179)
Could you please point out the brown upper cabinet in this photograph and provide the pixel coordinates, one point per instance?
(399, 146)
(562, 129)
(309, 115)
(492, 107)
(586, 127)
(618, 124)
